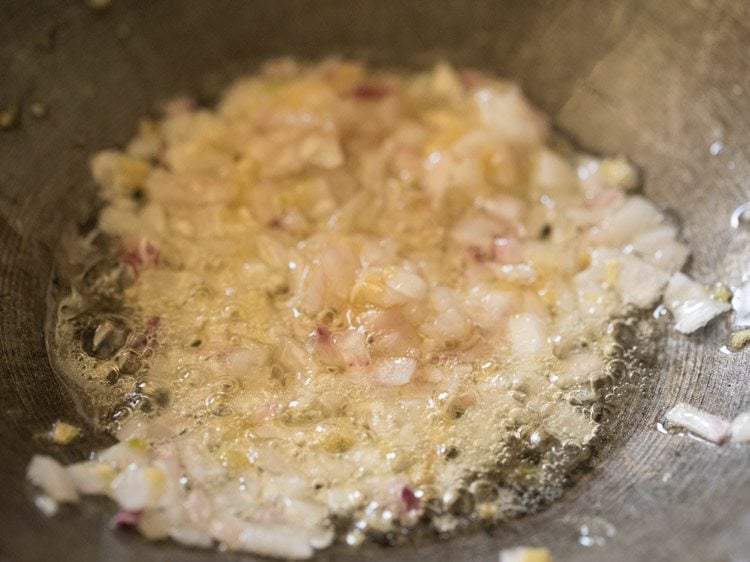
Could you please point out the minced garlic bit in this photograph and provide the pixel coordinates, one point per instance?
(352, 294)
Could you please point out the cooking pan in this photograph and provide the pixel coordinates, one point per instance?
(666, 83)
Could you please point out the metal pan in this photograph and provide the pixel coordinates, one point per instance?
(665, 83)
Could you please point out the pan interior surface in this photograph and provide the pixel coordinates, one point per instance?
(661, 84)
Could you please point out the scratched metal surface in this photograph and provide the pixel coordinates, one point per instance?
(658, 81)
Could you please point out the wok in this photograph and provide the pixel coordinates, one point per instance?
(665, 83)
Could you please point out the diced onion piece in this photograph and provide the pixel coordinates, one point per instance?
(138, 487)
(191, 537)
(124, 453)
(741, 306)
(488, 307)
(52, 477)
(293, 356)
(340, 267)
(552, 173)
(527, 334)
(243, 361)
(115, 172)
(444, 82)
(268, 539)
(91, 477)
(640, 283)
(154, 524)
(343, 499)
(392, 333)
(516, 273)
(506, 250)
(509, 116)
(313, 289)
(503, 207)
(351, 347)
(449, 323)
(690, 304)
(659, 246)
(576, 369)
(635, 216)
(569, 426)
(595, 299)
(525, 554)
(394, 370)
(197, 507)
(708, 426)
(125, 518)
(475, 231)
(740, 428)
(321, 538)
(411, 285)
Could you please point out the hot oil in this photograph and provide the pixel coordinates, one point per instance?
(102, 348)
(194, 327)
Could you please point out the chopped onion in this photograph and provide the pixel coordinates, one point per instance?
(444, 82)
(351, 346)
(293, 356)
(91, 477)
(268, 539)
(136, 487)
(741, 306)
(475, 231)
(506, 250)
(340, 267)
(191, 537)
(525, 554)
(708, 426)
(488, 307)
(509, 116)
(408, 250)
(198, 508)
(635, 216)
(503, 207)
(126, 453)
(740, 428)
(552, 173)
(660, 247)
(527, 335)
(408, 284)
(125, 518)
(691, 304)
(394, 370)
(449, 323)
(577, 368)
(155, 524)
(566, 423)
(140, 253)
(52, 477)
(391, 332)
(640, 283)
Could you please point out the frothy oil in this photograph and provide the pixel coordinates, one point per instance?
(369, 322)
